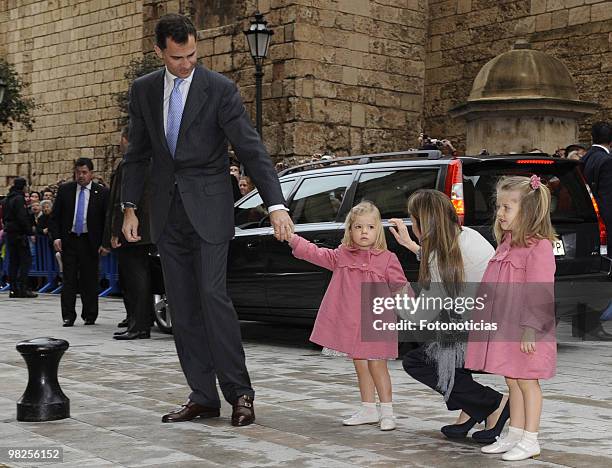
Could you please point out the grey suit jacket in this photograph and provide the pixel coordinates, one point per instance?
(213, 115)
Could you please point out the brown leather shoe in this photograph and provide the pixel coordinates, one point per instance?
(243, 413)
(191, 410)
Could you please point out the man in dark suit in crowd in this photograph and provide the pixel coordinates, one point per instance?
(181, 118)
(132, 258)
(42, 223)
(18, 226)
(598, 173)
(77, 226)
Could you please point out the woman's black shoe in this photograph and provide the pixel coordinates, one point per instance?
(488, 436)
(458, 431)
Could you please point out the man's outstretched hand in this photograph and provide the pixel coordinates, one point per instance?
(282, 224)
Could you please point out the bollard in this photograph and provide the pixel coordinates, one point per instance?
(43, 399)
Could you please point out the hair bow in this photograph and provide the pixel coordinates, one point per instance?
(535, 182)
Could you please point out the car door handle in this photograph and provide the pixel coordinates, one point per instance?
(321, 243)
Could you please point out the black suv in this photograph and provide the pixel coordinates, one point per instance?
(267, 283)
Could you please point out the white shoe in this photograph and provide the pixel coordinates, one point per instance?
(363, 416)
(522, 451)
(387, 423)
(501, 445)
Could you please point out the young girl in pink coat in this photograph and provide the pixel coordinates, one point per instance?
(362, 259)
(520, 301)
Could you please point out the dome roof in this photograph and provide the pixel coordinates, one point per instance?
(523, 73)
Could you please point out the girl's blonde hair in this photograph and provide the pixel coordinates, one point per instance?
(364, 208)
(533, 218)
(436, 218)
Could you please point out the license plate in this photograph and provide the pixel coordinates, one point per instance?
(558, 248)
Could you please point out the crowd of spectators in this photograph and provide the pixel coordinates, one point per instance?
(39, 205)
(574, 151)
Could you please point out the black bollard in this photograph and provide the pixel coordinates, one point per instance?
(43, 399)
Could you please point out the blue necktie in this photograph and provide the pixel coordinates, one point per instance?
(80, 213)
(175, 112)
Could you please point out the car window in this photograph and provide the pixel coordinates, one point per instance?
(389, 190)
(250, 212)
(570, 202)
(318, 199)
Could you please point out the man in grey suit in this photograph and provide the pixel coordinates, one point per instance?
(181, 119)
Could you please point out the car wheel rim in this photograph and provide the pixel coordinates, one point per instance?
(162, 311)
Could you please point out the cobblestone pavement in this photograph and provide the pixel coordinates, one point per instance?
(119, 390)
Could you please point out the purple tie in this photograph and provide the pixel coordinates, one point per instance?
(80, 213)
(175, 112)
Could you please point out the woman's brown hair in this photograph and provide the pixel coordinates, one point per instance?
(438, 223)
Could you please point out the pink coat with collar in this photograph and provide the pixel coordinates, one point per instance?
(519, 283)
(338, 323)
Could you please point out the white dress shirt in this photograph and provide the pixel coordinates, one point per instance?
(184, 89)
(168, 87)
(601, 146)
(76, 205)
(476, 252)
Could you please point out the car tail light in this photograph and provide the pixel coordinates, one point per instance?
(453, 187)
(535, 161)
(603, 234)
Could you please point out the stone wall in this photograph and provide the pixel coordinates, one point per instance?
(359, 76)
(73, 54)
(464, 34)
(342, 76)
(224, 49)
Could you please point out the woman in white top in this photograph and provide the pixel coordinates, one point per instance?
(453, 258)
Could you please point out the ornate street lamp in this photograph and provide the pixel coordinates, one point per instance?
(258, 36)
(2, 88)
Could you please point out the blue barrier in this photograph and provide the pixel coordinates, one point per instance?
(4, 269)
(45, 265)
(110, 272)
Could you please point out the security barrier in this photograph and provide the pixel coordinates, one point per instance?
(110, 272)
(45, 265)
(3, 267)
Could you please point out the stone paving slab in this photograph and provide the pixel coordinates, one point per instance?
(119, 390)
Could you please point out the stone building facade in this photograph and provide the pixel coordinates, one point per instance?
(343, 76)
(465, 34)
(73, 54)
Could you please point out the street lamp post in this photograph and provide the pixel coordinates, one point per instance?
(258, 37)
(2, 88)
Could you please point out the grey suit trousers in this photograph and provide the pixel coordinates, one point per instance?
(205, 325)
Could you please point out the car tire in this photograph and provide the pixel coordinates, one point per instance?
(163, 319)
